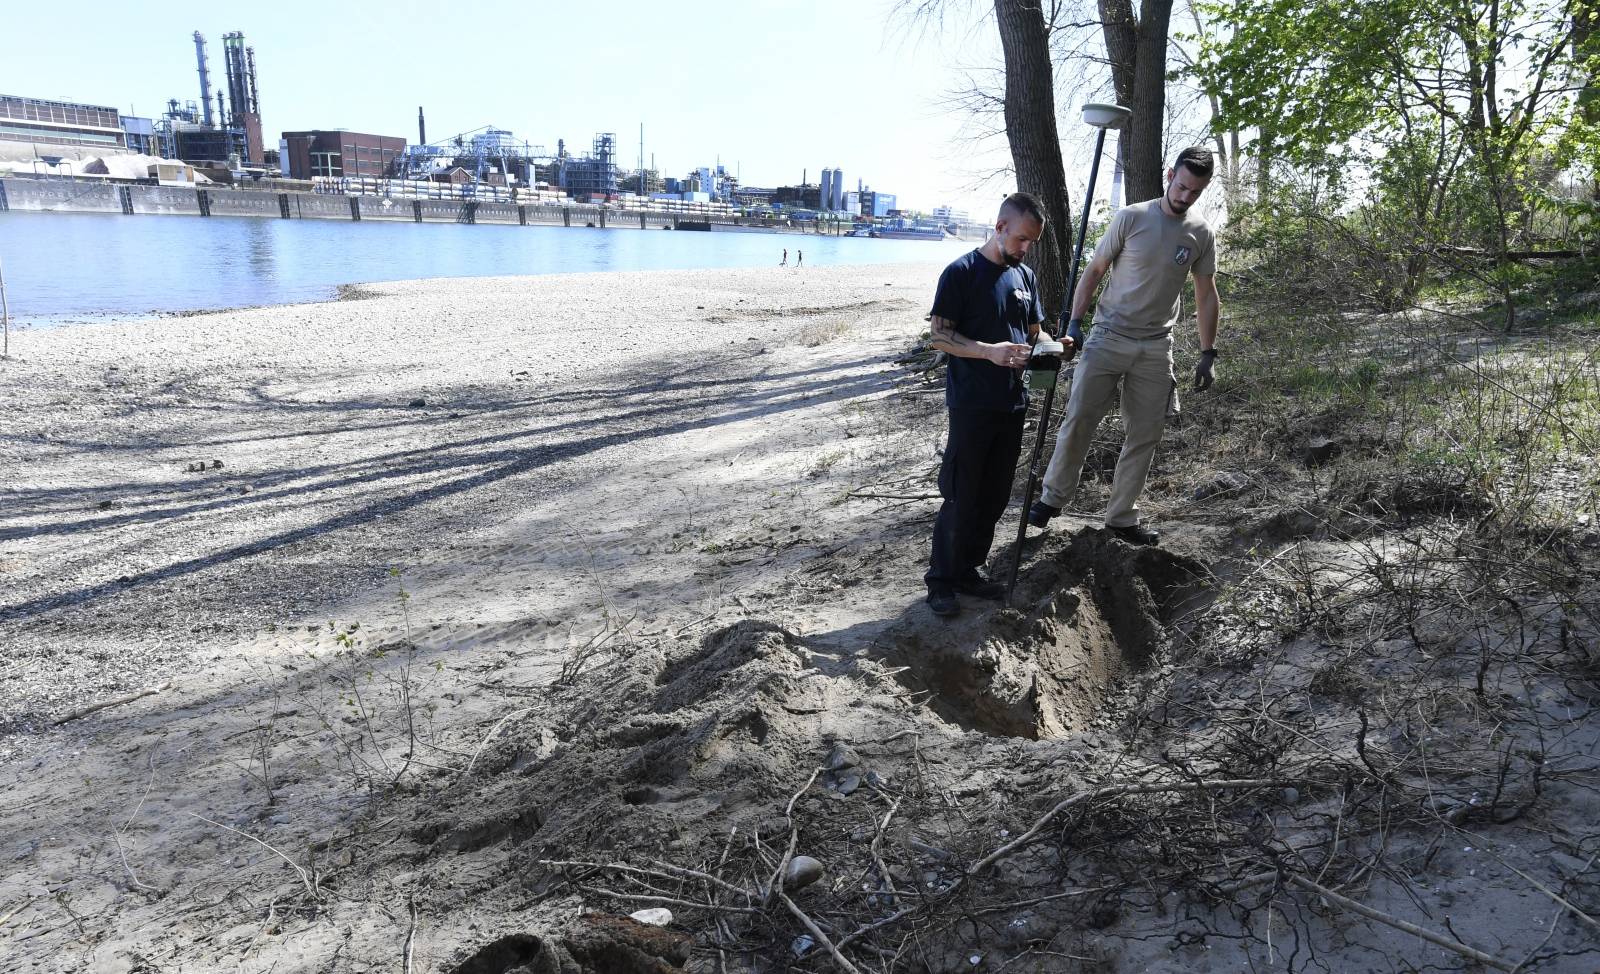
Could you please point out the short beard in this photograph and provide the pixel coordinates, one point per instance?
(1012, 260)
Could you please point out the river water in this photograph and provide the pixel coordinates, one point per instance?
(67, 267)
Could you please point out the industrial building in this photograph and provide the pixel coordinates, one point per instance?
(339, 152)
(482, 153)
(496, 157)
(831, 194)
(61, 123)
(592, 176)
(199, 133)
(876, 204)
(139, 134)
(243, 99)
(806, 195)
(754, 196)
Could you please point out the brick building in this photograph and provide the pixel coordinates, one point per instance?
(338, 152)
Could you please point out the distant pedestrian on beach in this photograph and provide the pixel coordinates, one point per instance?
(799, 257)
(785, 261)
(985, 313)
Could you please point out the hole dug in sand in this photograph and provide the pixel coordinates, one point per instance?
(1089, 609)
(594, 942)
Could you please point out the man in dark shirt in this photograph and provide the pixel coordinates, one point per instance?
(985, 313)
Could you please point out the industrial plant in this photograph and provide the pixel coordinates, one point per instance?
(219, 137)
(231, 131)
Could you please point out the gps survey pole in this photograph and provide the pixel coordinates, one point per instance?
(1102, 117)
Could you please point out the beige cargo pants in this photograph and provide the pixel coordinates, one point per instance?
(1149, 390)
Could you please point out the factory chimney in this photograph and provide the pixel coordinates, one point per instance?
(205, 74)
(255, 95)
(422, 128)
(238, 87)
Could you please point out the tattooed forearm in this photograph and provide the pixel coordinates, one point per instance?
(945, 338)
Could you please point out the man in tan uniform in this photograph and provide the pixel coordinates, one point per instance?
(1149, 249)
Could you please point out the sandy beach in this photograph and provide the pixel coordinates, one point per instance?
(443, 428)
(443, 626)
(507, 474)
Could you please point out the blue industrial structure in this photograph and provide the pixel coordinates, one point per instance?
(140, 135)
(875, 204)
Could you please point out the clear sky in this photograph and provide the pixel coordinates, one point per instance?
(773, 87)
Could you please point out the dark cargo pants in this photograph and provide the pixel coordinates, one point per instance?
(980, 460)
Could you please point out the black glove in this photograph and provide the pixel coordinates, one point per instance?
(1074, 332)
(1205, 370)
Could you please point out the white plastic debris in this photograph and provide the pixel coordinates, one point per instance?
(658, 916)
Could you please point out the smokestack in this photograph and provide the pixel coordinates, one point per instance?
(238, 86)
(255, 94)
(422, 128)
(222, 111)
(205, 74)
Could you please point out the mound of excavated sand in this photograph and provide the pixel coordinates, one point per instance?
(1092, 610)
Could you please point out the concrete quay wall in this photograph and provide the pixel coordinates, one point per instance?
(61, 197)
(94, 196)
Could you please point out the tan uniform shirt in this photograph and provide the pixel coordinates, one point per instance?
(1151, 254)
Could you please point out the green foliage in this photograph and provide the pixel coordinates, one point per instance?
(1457, 128)
(1302, 72)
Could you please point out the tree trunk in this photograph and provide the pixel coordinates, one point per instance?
(1035, 148)
(1137, 48)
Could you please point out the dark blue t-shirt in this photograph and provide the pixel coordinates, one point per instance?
(987, 302)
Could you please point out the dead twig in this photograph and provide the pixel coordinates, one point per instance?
(1586, 918)
(489, 737)
(711, 894)
(671, 872)
(775, 885)
(571, 669)
(1023, 904)
(1344, 902)
(1361, 748)
(700, 621)
(116, 834)
(885, 881)
(667, 900)
(305, 877)
(411, 932)
(123, 855)
(108, 704)
(1118, 791)
(856, 495)
(17, 909)
(817, 933)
